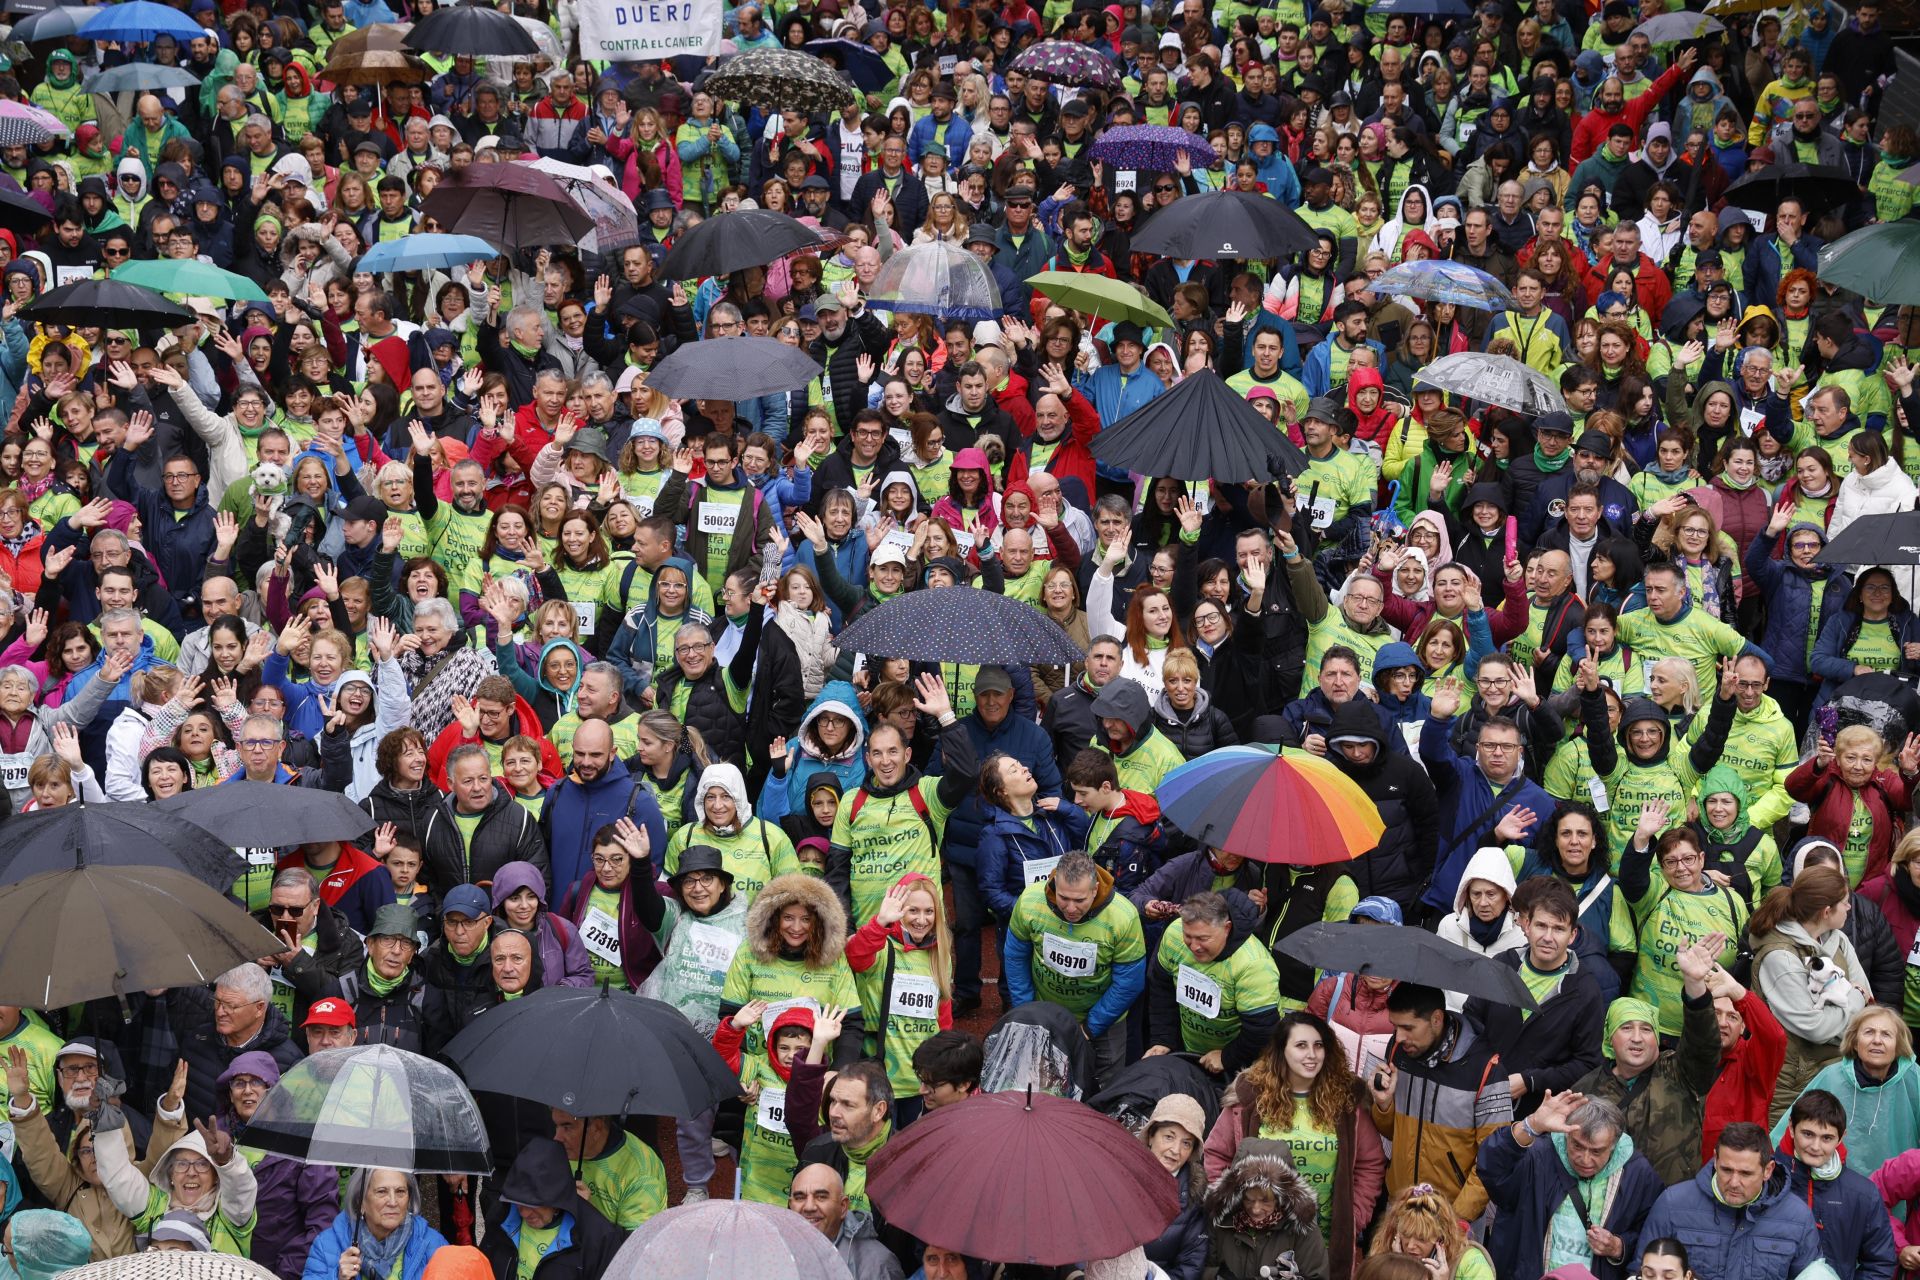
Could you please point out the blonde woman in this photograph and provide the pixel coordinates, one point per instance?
(904, 955)
(1420, 1223)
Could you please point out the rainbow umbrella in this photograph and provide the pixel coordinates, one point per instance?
(1271, 805)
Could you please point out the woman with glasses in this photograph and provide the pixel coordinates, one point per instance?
(1875, 629)
(203, 1173)
(1682, 902)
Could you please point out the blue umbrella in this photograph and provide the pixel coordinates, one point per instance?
(141, 75)
(1424, 8)
(1444, 280)
(867, 69)
(1152, 147)
(140, 22)
(958, 624)
(418, 252)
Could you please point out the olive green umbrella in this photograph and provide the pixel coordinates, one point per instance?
(1880, 262)
(190, 277)
(1101, 297)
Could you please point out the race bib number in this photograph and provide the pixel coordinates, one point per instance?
(1646, 672)
(600, 935)
(904, 439)
(258, 857)
(1913, 953)
(713, 947)
(13, 770)
(1196, 991)
(898, 538)
(1322, 509)
(643, 503)
(1750, 420)
(1126, 180)
(914, 996)
(716, 519)
(964, 541)
(586, 613)
(1597, 792)
(771, 1114)
(774, 1010)
(1038, 869)
(67, 275)
(1068, 957)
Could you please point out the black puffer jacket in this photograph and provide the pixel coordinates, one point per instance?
(864, 336)
(1195, 732)
(506, 833)
(1402, 863)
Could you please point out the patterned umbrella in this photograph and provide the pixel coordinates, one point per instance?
(1063, 62)
(615, 223)
(1444, 280)
(1491, 379)
(173, 1264)
(1152, 147)
(937, 279)
(1271, 805)
(22, 125)
(782, 78)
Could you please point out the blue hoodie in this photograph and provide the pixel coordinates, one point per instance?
(779, 798)
(1414, 708)
(634, 645)
(1275, 170)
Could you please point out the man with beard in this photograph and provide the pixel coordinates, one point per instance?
(1592, 458)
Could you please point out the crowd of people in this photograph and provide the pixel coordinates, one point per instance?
(430, 539)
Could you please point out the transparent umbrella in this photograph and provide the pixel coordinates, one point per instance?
(1491, 379)
(373, 1107)
(937, 279)
(615, 223)
(727, 1238)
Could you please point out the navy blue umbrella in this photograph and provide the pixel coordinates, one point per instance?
(1200, 430)
(959, 624)
(867, 69)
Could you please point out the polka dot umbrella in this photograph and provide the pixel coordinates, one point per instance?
(1063, 62)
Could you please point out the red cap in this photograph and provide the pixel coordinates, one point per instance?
(330, 1012)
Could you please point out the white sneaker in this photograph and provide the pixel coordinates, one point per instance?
(693, 1195)
(721, 1151)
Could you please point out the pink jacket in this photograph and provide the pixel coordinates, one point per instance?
(1899, 1183)
(665, 155)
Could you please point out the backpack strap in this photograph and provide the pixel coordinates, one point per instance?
(914, 798)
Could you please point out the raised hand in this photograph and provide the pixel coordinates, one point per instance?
(36, 628)
(931, 698)
(66, 742)
(468, 716)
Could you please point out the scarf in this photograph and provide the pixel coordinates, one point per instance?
(1077, 259)
(381, 1257)
(1486, 932)
(382, 987)
(1774, 470)
(1551, 466)
(522, 348)
(1678, 475)
(1738, 486)
(1906, 890)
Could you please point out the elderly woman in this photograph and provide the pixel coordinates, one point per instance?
(378, 1233)
(1876, 1080)
(447, 665)
(296, 1201)
(26, 734)
(203, 1174)
(1173, 1134)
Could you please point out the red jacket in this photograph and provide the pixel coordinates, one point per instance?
(346, 873)
(525, 722)
(1073, 457)
(1887, 796)
(1592, 128)
(1412, 616)
(1655, 290)
(1904, 923)
(1744, 1087)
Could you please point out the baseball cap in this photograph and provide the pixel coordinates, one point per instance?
(992, 680)
(885, 553)
(77, 1049)
(468, 900)
(1597, 443)
(330, 1012)
(366, 507)
(1560, 424)
(828, 302)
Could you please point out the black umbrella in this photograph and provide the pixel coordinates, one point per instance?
(732, 369)
(1200, 430)
(108, 303)
(1884, 702)
(1138, 1087)
(114, 835)
(959, 624)
(729, 242)
(91, 932)
(1888, 537)
(1817, 187)
(781, 78)
(594, 1053)
(465, 28)
(266, 815)
(510, 206)
(1236, 225)
(1408, 954)
(20, 213)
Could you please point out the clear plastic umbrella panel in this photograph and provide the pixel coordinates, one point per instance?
(937, 279)
(373, 1107)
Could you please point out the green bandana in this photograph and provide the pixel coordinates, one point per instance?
(382, 987)
(1551, 466)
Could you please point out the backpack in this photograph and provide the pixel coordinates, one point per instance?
(918, 801)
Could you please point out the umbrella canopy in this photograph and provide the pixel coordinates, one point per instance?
(1424, 8)
(469, 29)
(263, 814)
(782, 78)
(1881, 538)
(135, 76)
(189, 276)
(22, 213)
(710, 1239)
(574, 1048)
(730, 242)
(89, 932)
(1271, 805)
(1200, 430)
(937, 279)
(372, 1107)
(510, 206)
(426, 250)
(1022, 1177)
(1880, 262)
(1492, 379)
(140, 22)
(867, 69)
(110, 303)
(732, 369)
(1444, 280)
(1408, 954)
(1671, 28)
(959, 624)
(24, 125)
(60, 22)
(113, 835)
(1064, 62)
(615, 222)
(1153, 147)
(1881, 700)
(385, 37)
(1818, 187)
(1101, 297)
(373, 55)
(1237, 225)
(171, 1264)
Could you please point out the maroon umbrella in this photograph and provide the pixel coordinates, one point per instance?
(510, 206)
(1025, 1178)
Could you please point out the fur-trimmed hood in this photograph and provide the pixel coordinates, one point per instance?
(1263, 1162)
(785, 891)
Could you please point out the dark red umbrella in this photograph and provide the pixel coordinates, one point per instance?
(510, 206)
(1025, 1178)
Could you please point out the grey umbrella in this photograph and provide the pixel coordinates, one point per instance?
(136, 76)
(732, 369)
(1492, 379)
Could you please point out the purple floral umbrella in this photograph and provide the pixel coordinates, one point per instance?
(1152, 148)
(1063, 62)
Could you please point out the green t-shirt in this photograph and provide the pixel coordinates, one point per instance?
(627, 1182)
(534, 1244)
(1073, 961)
(1874, 647)
(1670, 920)
(766, 1148)
(1212, 996)
(1315, 1152)
(1859, 836)
(912, 1012)
(887, 840)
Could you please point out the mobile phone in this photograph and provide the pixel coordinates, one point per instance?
(1380, 1077)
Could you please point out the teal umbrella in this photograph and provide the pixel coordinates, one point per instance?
(1879, 262)
(186, 276)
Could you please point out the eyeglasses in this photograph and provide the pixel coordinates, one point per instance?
(280, 912)
(257, 744)
(608, 859)
(80, 1072)
(189, 1165)
(695, 647)
(1500, 748)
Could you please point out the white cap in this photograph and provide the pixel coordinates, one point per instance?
(75, 1049)
(888, 553)
(987, 334)
(487, 143)
(628, 377)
